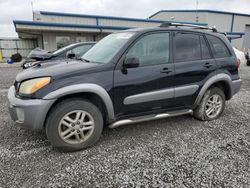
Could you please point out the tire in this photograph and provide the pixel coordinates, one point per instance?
(200, 112)
(248, 63)
(62, 125)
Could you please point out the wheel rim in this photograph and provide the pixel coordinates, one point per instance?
(76, 127)
(214, 106)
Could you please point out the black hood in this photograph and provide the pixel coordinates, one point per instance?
(56, 69)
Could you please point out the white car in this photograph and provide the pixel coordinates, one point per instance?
(240, 55)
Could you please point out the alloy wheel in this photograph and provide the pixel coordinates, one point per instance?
(76, 127)
(214, 106)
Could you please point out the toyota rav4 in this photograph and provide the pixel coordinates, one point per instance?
(128, 77)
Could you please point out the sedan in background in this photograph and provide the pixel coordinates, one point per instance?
(72, 51)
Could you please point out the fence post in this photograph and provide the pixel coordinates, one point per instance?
(1, 56)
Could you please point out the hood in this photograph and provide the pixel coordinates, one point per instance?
(56, 69)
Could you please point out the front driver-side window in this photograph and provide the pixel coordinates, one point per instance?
(151, 49)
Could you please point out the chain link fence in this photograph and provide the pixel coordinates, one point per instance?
(10, 46)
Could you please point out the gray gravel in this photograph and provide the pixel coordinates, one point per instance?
(173, 152)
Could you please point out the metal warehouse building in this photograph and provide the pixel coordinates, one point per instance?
(235, 24)
(52, 30)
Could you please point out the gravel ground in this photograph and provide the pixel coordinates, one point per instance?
(173, 152)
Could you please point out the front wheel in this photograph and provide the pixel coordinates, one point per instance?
(212, 105)
(74, 124)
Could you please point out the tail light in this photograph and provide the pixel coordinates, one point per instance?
(238, 63)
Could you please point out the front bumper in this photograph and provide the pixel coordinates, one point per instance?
(29, 113)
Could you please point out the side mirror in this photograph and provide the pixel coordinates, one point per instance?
(71, 55)
(131, 62)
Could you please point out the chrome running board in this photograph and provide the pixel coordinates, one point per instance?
(149, 118)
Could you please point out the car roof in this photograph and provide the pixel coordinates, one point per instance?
(151, 29)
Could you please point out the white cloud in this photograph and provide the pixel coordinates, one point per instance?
(21, 9)
(7, 30)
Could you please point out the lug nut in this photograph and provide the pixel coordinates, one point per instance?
(72, 124)
(78, 122)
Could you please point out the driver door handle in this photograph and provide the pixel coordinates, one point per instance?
(165, 70)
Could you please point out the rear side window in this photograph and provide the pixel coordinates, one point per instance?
(219, 49)
(187, 47)
(204, 49)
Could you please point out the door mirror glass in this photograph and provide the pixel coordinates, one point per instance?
(71, 55)
(131, 62)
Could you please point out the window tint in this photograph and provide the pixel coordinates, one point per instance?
(218, 47)
(187, 47)
(80, 50)
(204, 49)
(151, 49)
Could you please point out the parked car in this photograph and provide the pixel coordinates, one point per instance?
(129, 76)
(75, 50)
(240, 55)
(248, 58)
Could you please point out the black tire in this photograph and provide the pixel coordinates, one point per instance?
(248, 63)
(68, 106)
(200, 111)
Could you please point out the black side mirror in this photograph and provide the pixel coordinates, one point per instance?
(71, 55)
(131, 62)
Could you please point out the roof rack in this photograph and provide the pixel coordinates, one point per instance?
(176, 24)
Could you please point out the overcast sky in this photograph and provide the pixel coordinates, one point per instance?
(21, 9)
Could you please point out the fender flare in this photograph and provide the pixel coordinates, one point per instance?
(81, 88)
(217, 78)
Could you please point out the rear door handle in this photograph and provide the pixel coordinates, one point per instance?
(165, 70)
(207, 65)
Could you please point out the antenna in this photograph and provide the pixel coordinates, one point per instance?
(197, 5)
(32, 9)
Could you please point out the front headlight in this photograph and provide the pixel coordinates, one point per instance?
(33, 85)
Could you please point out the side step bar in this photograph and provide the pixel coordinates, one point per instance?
(149, 118)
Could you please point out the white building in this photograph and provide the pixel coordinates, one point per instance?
(52, 29)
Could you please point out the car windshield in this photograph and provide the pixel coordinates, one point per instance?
(62, 49)
(107, 48)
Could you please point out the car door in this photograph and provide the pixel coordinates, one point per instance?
(145, 88)
(193, 66)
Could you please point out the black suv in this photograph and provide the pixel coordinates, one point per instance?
(127, 77)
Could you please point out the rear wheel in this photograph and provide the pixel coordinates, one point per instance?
(212, 105)
(74, 124)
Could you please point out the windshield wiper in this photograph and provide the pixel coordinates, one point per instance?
(87, 61)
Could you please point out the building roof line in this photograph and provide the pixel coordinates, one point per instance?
(35, 23)
(235, 33)
(110, 17)
(202, 10)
